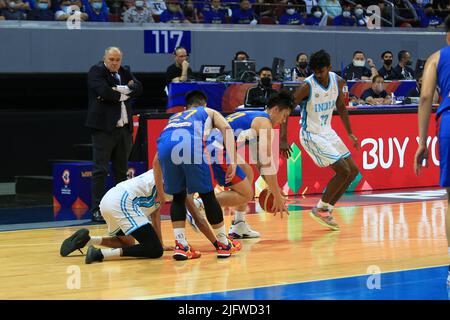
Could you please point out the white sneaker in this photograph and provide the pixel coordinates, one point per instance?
(242, 230)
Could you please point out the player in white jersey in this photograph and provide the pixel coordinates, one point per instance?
(131, 211)
(320, 95)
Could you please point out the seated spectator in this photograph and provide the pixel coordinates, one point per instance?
(346, 18)
(414, 94)
(215, 14)
(387, 71)
(190, 12)
(243, 15)
(156, 7)
(441, 7)
(174, 13)
(258, 96)
(430, 19)
(138, 14)
(13, 10)
(265, 8)
(315, 17)
(42, 12)
(404, 12)
(180, 70)
(360, 18)
(67, 8)
(97, 10)
(357, 69)
(291, 16)
(376, 95)
(331, 7)
(403, 70)
(241, 56)
(301, 71)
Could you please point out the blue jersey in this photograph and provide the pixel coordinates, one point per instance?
(443, 78)
(243, 120)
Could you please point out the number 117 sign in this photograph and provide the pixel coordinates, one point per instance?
(165, 41)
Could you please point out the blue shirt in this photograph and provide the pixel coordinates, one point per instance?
(242, 17)
(432, 21)
(443, 77)
(294, 19)
(102, 16)
(212, 16)
(168, 16)
(313, 21)
(242, 120)
(342, 21)
(191, 121)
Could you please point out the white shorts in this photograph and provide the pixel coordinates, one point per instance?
(121, 212)
(324, 148)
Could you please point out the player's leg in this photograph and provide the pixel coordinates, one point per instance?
(353, 173)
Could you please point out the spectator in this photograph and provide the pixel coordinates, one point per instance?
(387, 70)
(310, 4)
(258, 96)
(361, 20)
(42, 12)
(442, 8)
(243, 15)
(430, 19)
(138, 14)
(190, 12)
(404, 72)
(174, 13)
(301, 71)
(216, 14)
(414, 94)
(265, 8)
(346, 18)
(357, 69)
(68, 8)
(331, 7)
(291, 16)
(180, 70)
(376, 95)
(97, 10)
(315, 17)
(241, 56)
(2, 6)
(156, 7)
(13, 10)
(404, 12)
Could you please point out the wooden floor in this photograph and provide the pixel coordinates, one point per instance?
(293, 249)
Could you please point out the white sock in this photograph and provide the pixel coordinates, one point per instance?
(221, 234)
(330, 208)
(239, 216)
(111, 254)
(322, 204)
(180, 235)
(94, 241)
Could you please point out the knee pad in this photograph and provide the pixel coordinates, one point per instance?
(178, 207)
(213, 210)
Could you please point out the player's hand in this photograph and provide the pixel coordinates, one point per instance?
(354, 141)
(279, 205)
(231, 171)
(421, 155)
(285, 149)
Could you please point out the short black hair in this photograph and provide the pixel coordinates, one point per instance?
(301, 54)
(374, 79)
(356, 52)
(319, 60)
(178, 48)
(387, 51)
(314, 9)
(195, 97)
(241, 52)
(401, 54)
(264, 69)
(282, 99)
(447, 24)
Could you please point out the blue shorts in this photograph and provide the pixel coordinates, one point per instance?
(220, 171)
(443, 130)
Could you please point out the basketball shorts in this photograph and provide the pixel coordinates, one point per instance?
(324, 148)
(122, 212)
(443, 133)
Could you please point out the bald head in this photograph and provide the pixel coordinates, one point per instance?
(113, 59)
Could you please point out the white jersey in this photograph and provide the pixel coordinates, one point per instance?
(318, 111)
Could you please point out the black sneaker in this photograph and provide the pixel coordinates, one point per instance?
(75, 242)
(97, 216)
(93, 254)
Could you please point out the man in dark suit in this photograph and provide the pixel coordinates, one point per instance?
(110, 87)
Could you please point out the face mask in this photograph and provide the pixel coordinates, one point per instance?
(97, 5)
(266, 81)
(359, 12)
(317, 14)
(302, 65)
(12, 5)
(388, 62)
(359, 63)
(67, 9)
(346, 14)
(43, 5)
(290, 11)
(139, 4)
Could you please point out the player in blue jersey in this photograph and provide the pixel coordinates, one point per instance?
(321, 94)
(437, 72)
(186, 169)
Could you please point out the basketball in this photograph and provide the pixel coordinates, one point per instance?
(266, 200)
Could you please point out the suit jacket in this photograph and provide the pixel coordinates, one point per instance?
(104, 107)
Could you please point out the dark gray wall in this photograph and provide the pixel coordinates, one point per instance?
(51, 47)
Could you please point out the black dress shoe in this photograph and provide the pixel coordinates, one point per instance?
(97, 216)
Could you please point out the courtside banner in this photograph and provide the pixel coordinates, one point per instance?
(386, 157)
